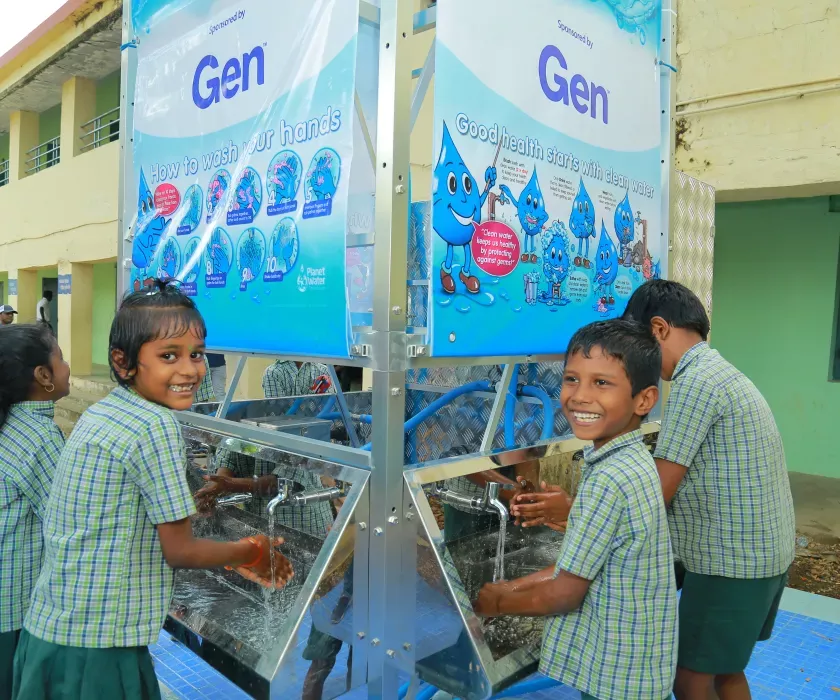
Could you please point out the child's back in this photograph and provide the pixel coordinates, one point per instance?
(617, 537)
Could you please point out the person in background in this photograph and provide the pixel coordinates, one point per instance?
(117, 523)
(611, 600)
(33, 376)
(218, 374)
(42, 310)
(7, 315)
(722, 465)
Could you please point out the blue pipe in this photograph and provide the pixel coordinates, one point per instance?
(548, 408)
(426, 693)
(444, 400)
(401, 693)
(529, 685)
(328, 406)
(295, 407)
(510, 410)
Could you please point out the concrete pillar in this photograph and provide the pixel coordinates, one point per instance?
(28, 294)
(23, 136)
(78, 106)
(250, 384)
(75, 309)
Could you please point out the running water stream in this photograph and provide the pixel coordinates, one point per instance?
(499, 570)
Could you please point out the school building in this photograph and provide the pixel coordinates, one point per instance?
(758, 97)
(59, 155)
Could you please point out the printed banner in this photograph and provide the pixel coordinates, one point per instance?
(546, 190)
(243, 148)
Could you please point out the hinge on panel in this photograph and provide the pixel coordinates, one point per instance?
(360, 350)
(416, 350)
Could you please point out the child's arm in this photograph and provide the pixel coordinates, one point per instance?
(554, 596)
(251, 556)
(690, 412)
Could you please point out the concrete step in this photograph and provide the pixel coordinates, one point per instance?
(98, 386)
(65, 425)
(72, 407)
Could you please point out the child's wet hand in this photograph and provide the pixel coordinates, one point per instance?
(215, 487)
(551, 507)
(262, 570)
(487, 604)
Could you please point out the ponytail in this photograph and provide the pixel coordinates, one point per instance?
(23, 348)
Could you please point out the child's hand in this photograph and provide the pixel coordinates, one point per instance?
(260, 569)
(550, 508)
(217, 486)
(487, 604)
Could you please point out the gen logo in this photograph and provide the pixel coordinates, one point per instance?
(209, 87)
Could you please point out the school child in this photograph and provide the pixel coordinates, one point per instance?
(611, 599)
(117, 521)
(722, 466)
(33, 376)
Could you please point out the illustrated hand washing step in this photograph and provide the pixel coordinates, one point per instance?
(84, 392)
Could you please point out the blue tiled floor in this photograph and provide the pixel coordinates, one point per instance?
(802, 660)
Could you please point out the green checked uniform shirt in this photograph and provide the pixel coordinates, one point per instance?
(733, 514)
(105, 582)
(621, 644)
(284, 378)
(30, 444)
(205, 389)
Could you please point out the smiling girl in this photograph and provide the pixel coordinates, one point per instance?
(117, 522)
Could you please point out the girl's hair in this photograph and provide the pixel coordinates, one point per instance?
(159, 311)
(23, 348)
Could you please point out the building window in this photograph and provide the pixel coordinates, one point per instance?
(101, 130)
(4, 172)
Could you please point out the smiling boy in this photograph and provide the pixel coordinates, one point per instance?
(611, 598)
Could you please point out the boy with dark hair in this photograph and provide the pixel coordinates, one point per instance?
(722, 466)
(611, 599)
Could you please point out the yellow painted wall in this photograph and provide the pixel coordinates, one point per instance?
(67, 212)
(780, 148)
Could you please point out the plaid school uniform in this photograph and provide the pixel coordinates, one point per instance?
(621, 644)
(732, 515)
(105, 582)
(30, 445)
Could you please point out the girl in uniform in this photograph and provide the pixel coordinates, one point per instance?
(33, 376)
(117, 523)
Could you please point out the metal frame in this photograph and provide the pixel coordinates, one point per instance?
(4, 172)
(386, 529)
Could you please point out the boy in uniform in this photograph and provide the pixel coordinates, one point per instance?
(722, 466)
(611, 601)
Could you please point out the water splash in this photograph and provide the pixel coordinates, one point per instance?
(499, 571)
(633, 15)
(464, 309)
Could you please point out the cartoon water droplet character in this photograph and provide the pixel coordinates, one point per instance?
(456, 207)
(150, 227)
(606, 267)
(530, 210)
(582, 223)
(555, 264)
(633, 15)
(625, 229)
(283, 180)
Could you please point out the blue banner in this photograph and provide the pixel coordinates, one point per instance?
(546, 190)
(243, 148)
(65, 285)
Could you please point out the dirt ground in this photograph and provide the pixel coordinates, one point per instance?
(816, 568)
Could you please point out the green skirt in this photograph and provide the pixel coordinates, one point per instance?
(8, 644)
(45, 671)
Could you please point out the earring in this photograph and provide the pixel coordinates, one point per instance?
(50, 389)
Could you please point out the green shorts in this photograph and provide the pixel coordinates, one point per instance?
(721, 619)
(8, 644)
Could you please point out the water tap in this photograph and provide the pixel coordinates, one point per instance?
(488, 502)
(286, 497)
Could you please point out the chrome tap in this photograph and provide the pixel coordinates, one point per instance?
(234, 500)
(488, 502)
(285, 497)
